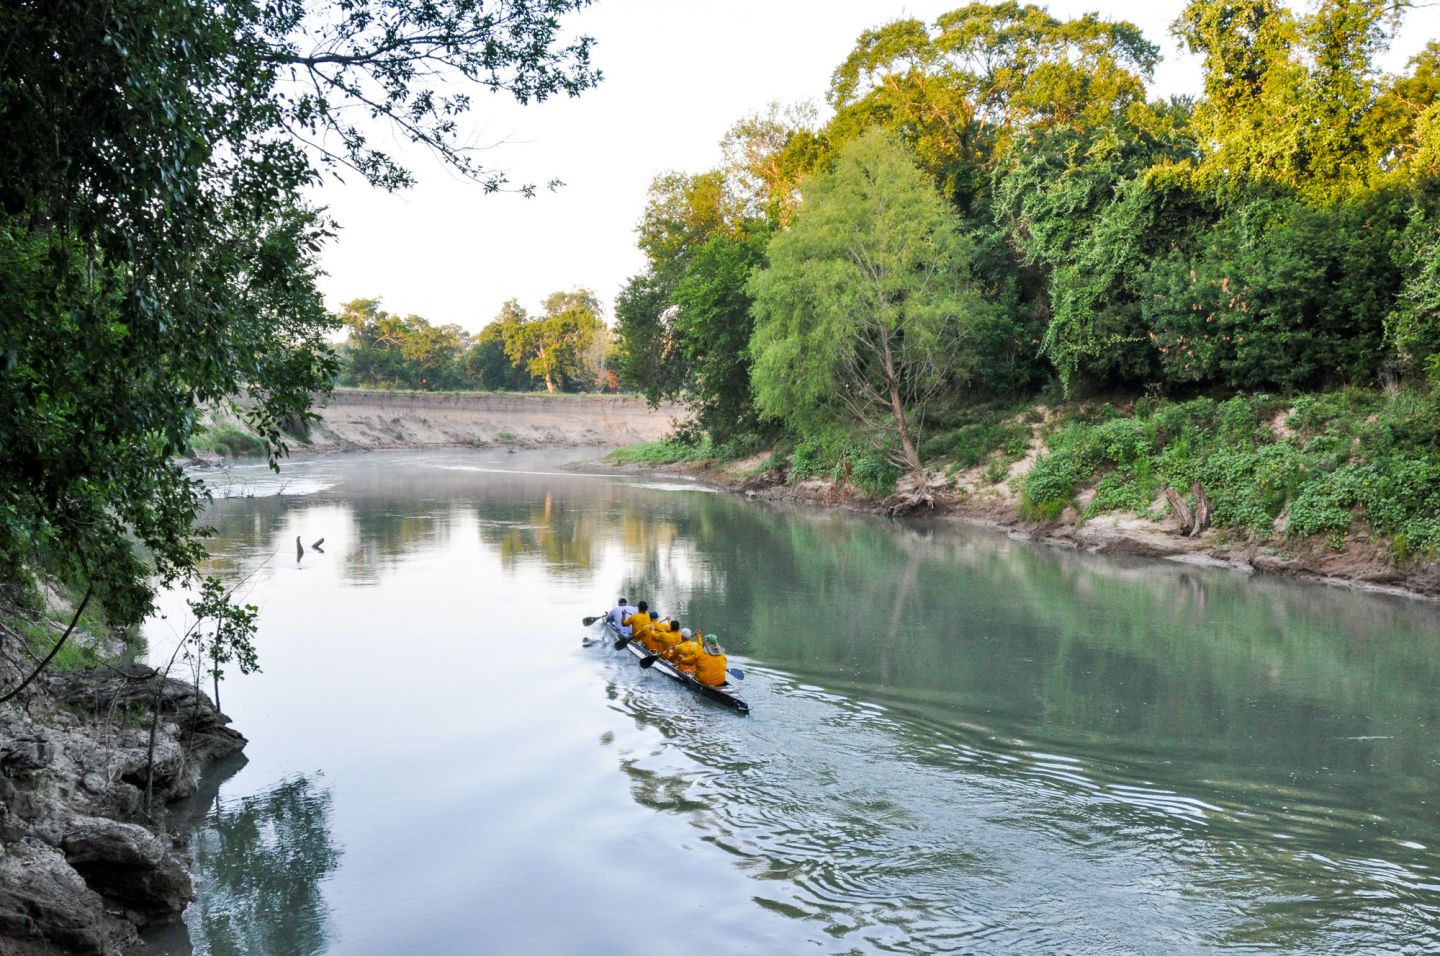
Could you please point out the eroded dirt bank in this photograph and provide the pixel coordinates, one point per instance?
(356, 418)
(1359, 562)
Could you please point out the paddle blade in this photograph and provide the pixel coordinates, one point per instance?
(739, 674)
(587, 621)
(648, 661)
(620, 644)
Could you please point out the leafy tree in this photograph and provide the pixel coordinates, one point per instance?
(962, 91)
(553, 346)
(487, 367)
(651, 359)
(714, 325)
(682, 213)
(156, 253)
(386, 351)
(766, 156)
(1295, 101)
(866, 306)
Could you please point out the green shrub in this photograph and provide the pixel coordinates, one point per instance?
(971, 444)
(667, 452)
(1050, 485)
(227, 440)
(874, 475)
(996, 471)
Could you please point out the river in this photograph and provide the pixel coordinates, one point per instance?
(958, 742)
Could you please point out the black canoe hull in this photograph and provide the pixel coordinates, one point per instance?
(727, 693)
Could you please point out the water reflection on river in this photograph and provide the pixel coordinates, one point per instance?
(959, 742)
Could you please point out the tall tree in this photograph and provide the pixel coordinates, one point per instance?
(682, 213)
(714, 325)
(766, 156)
(867, 306)
(553, 346)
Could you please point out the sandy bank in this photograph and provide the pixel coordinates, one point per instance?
(355, 418)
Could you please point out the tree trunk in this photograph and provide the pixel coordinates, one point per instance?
(897, 408)
(1202, 509)
(1181, 509)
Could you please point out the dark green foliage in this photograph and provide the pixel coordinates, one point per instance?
(714, 325)
(1414, 323)
(651, 358)
(489, 369)
(1278, 294)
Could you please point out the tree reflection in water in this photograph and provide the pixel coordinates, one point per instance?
(260, 862)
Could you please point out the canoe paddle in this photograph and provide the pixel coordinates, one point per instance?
(587, 621)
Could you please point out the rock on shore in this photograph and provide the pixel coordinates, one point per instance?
(81, 868)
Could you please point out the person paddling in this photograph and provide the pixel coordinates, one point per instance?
(710, 665)
(639, 622)
(666, 639)
(617, 616)
(686, 653)
(659, 631)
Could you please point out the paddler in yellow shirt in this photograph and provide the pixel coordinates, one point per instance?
(639, 623)
(710, 665)
(659, 631)
(684, 654)
(667, 638)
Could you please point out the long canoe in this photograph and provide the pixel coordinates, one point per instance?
(726, 693)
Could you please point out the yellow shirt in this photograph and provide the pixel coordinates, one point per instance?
(684, 655)
(710, 668)
(655, 638)
(639, 624)
(666, 639)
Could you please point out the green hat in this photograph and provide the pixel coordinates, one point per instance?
(712, 646)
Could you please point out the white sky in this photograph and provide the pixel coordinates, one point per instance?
(678, 74)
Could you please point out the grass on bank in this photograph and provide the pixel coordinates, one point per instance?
(227, 441)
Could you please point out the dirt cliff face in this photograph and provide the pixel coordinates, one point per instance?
(356, 418)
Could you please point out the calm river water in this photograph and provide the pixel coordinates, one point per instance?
(959, 743)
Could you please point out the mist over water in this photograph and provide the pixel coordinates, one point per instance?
(957, 743)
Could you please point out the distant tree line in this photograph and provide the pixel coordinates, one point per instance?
(564, 348)
(995, 210)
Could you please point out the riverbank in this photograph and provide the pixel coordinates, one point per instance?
(83, 864)
(359, 419)
(1103, 480)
